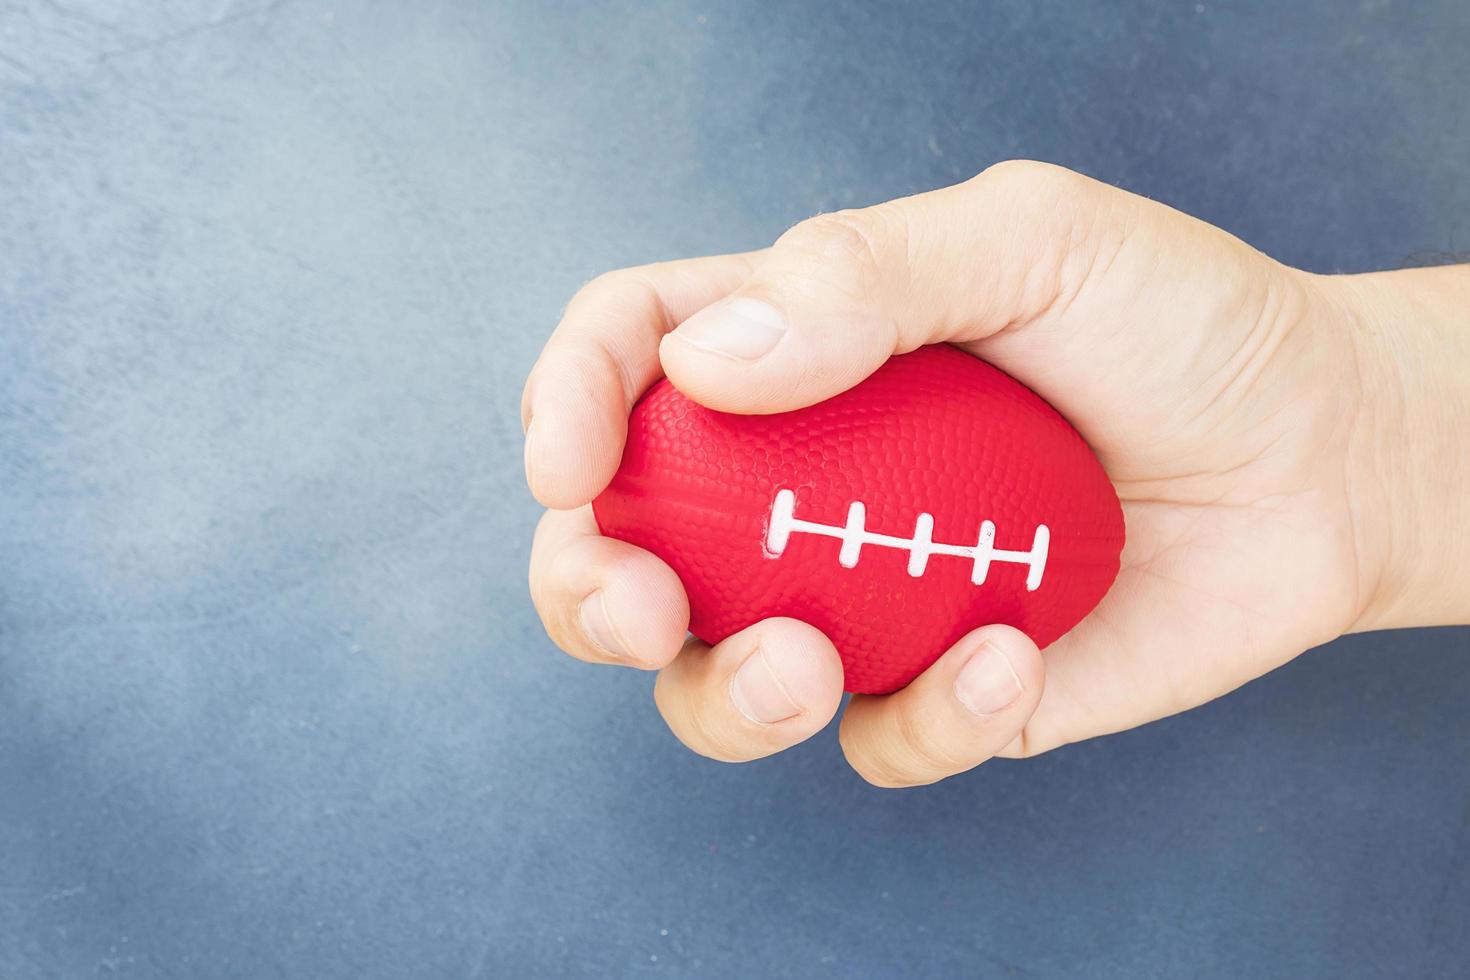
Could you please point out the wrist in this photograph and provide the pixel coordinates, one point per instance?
(1409, 454)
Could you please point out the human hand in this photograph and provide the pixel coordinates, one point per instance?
(1254, 419)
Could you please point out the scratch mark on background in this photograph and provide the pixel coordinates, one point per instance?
(193, 30)
(79, 16)
(21, 67)
(62, 894)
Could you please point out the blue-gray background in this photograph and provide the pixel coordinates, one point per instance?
(273, 701)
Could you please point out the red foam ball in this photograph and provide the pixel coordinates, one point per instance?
(935, 497)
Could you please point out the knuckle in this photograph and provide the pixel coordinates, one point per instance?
(565, 567)
(567, 578)
(1032, 180)
(583, 565)
(576, 369)
(565, 638)
(620, 293)
(877, 773)
(690, 723)
(872, 766)
(557, 619)
(617, 283)
(895, 756)
(596, 350)
(853, 239)
(871, 779)
(914, 740)
(1071, 222)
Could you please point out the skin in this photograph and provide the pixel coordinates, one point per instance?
(1292, 452)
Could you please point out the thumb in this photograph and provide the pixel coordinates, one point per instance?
(840, 293)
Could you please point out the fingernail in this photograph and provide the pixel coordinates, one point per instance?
(742, 328)
(988, 683)
(758, 693)
(599, 628)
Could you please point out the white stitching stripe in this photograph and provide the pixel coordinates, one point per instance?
(854, 535)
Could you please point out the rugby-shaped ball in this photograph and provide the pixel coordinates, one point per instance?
(937, 496)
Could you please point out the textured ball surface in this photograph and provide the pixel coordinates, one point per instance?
(938, 496)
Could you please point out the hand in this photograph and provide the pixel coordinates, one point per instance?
(1254, 418)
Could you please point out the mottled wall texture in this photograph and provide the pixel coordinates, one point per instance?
(273, 701)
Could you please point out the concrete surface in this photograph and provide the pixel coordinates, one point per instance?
(273, 701)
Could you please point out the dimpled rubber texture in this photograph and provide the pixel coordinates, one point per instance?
(935, 431)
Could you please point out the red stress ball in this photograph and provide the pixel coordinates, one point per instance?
(937, 496)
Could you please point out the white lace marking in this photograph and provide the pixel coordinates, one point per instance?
(921, 546)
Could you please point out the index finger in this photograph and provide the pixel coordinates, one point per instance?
(599, 361)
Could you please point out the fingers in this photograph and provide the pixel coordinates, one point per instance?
(603, 600)
(1124, 314)
(760, 691)
(963, 710)
(599, 360)
(1112, 307)
(838, 294)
